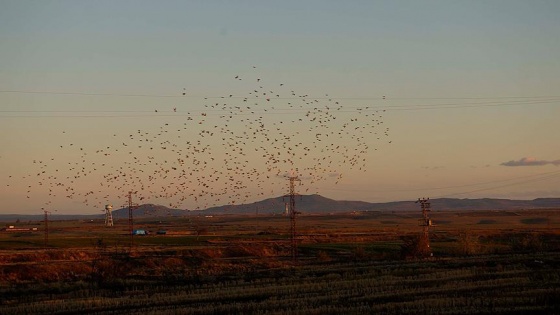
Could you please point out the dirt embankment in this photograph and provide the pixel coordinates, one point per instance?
(38, 256)
(101, 265)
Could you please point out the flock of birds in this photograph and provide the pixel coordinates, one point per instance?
(229, 150)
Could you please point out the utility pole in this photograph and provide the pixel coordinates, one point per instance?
(46, 227)
(131, 207)
(426, 223)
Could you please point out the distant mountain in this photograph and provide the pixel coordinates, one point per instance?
(316, 204)
(143, 211)
(308, 204)
(494, 204)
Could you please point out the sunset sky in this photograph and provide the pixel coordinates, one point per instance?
(363, 100)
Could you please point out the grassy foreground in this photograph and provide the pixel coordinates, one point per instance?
(497, 284)
(484, 263)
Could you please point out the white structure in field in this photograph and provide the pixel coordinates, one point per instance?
(108, 215)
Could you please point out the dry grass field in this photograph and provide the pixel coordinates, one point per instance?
(483, 262)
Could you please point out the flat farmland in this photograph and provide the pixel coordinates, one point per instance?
(76, 233)
(483, 262)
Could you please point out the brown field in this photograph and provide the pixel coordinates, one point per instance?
(217, 252)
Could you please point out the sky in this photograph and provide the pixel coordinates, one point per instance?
(192, 104)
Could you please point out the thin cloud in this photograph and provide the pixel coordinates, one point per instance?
(433, 167)
(530, 161)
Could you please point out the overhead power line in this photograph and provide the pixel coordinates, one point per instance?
(502, 186)
(378, 97)
(368, 107)
(89, 94)
(386, 105)
(518, 181)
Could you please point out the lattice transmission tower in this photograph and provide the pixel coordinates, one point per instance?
(424, 243)
(293, 215)
(131, 206)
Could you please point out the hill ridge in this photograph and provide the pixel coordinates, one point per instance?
(310, 204)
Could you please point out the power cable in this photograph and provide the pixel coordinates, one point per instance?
(541, 176)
